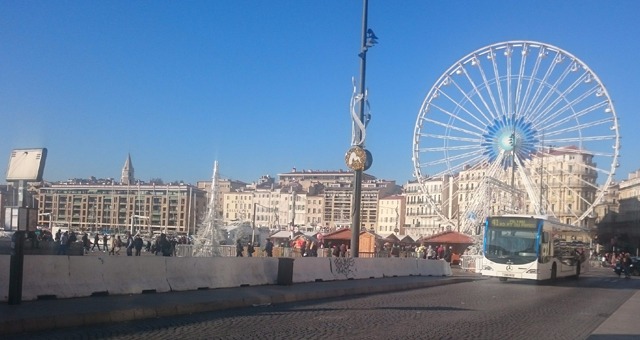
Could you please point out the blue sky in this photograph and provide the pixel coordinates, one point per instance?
(264, 86)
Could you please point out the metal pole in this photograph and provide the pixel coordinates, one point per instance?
(513, 170)
(253, 229)
(357, 179)
(16, 265)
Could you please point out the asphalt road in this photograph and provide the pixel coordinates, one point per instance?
(482, 309)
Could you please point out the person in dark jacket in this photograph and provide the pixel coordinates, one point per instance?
(164, 245)
(239, 249)
(268, 248)
(137, 244)
(250, 249)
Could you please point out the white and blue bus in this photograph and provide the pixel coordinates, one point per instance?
(534, 248)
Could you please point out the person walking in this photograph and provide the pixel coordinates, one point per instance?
(268, 248)
(118, 245)
(440, 252)
(137, 244)
(85, 243)
(64, 243)
(250, 249)
(626, 265)
(96, 242)
(239, 248)
(421, 251)
(58, 235)
(343, 250)
(129, 244)
(431, 253)
(104, 242)
(164, 245)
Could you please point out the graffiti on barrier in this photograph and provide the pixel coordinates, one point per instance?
(343, 266)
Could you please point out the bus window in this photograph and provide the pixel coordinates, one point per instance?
(545, 237)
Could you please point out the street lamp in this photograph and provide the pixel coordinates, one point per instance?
(358, 158)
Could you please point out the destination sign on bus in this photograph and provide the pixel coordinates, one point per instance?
(513, 222)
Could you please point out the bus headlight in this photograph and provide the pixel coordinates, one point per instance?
(532, 271)
(487, 268)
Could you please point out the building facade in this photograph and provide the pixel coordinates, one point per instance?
(391, 217)
(116, 208)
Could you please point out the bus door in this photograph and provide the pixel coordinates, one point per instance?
(545, 251)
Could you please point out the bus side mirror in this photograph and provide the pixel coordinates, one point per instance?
(545, 237)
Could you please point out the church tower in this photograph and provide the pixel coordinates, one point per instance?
(127, 172)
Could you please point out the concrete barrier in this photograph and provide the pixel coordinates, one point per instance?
(134, 274)
(81, 276)
(398, 266)
(434, 268)
(311, 269)
(192, 273)
(368, 268)
(85, 276)
(343, 268)
(45, 275)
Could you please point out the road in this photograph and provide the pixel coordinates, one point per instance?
(482, 309)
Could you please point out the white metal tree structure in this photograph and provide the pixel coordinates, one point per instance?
(521, 125)
(208, 236)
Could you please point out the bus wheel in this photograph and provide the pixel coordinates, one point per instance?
(554, 273)
(502, 279)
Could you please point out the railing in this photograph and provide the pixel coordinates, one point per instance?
(471, 263)
(187, 250)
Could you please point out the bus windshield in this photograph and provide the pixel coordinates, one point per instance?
(511, 244)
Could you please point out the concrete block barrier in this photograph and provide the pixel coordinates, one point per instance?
(258, 271)
(398, 266)
(368, 268)
(135, 274)
(85, 276)
(80, 276)
(434, 268)
(311, 269)
(186, 273)
(45, 276)
(343, 268)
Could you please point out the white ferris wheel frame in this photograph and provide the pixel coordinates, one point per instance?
(521, 94)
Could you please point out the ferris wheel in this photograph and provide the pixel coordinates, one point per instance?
(516, 127)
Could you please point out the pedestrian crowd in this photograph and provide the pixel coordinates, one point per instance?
(133, 244)
(620, 261)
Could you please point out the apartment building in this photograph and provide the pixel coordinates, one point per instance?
(276, 208)
(629, 198)
(568, 185)
(308, 178)
(117, 207)
(338, 201)
(619, 217)
(224, 186)
(107, 206)
(391, 217)
(422, 213)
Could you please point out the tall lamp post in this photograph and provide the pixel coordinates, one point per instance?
(358, 158)
(24, 165)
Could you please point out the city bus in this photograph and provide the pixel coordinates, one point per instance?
(534, 248)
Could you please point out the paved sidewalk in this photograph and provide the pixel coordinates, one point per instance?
(623, 323)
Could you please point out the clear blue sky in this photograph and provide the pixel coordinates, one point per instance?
(264, 86)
